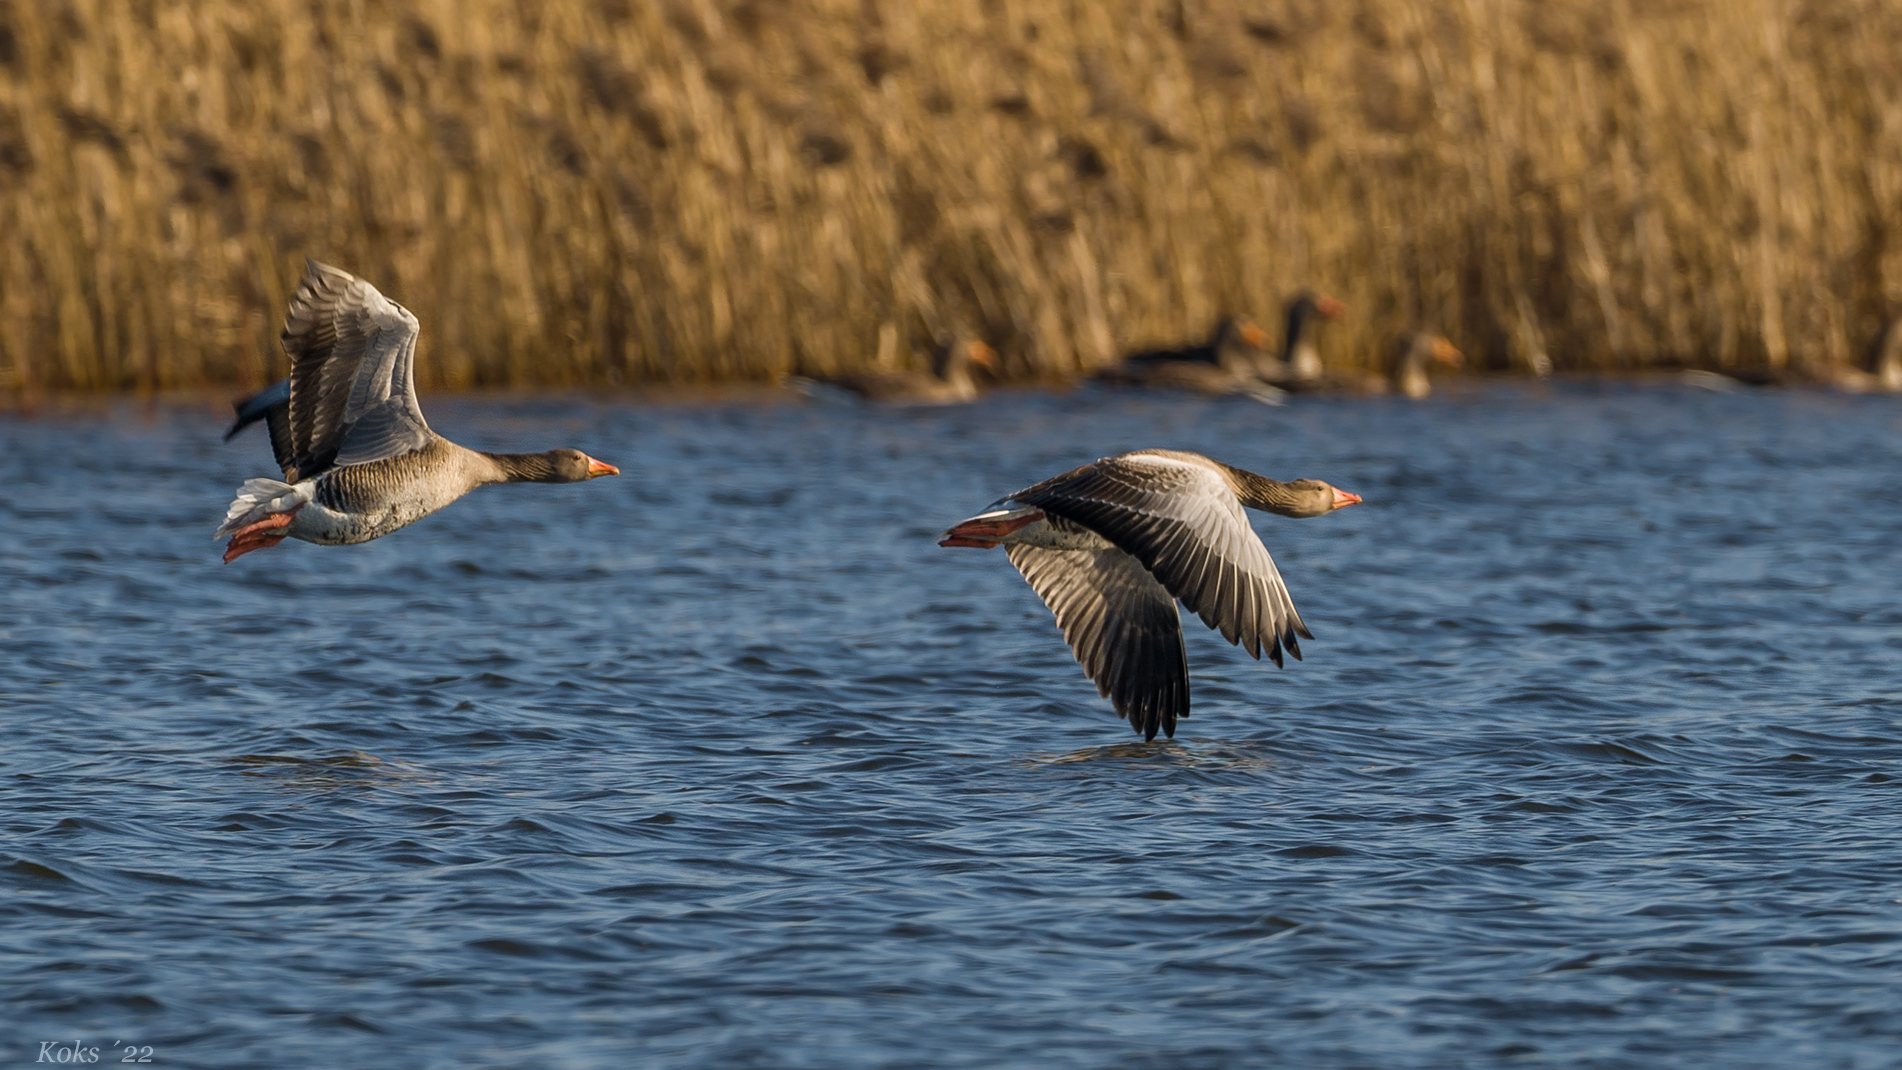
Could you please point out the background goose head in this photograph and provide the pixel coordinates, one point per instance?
(1239, 343)
(951, 360)
(1410, 359)
(552, 466)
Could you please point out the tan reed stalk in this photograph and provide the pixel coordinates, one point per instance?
(598, 191)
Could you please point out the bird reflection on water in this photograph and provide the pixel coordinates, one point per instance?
(1243, 756)
(352, 769)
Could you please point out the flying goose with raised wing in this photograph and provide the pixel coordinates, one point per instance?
(359, 460)
(1111, 546)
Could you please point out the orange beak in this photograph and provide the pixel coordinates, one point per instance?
(600, 468)
(1343, 499)
(982, 354)
(1253, 334)
(1329, 308)
(1444, 352)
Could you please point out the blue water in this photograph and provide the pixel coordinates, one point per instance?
(1593, 763)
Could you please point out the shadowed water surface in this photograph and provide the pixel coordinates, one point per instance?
(725, 764)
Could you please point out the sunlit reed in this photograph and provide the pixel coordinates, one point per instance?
(706, 190)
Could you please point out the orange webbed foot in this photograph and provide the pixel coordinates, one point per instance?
(262, 535)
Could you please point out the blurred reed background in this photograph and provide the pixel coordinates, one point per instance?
(705, 190)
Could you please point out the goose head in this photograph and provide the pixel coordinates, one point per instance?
(1300, 499)
(953, 358)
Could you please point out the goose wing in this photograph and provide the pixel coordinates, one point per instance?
(353, 394)
(1121, 624)
(1177, 515)
(273, 406)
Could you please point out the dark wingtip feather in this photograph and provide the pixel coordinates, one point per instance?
(258, 406)
(1293, 645)
(1274, 652)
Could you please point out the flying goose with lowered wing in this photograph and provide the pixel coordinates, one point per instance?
(1111, 546)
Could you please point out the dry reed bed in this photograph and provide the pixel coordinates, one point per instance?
(700, 190)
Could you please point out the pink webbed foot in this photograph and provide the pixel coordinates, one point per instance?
(985, 534)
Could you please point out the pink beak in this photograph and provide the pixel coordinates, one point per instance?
(1343, 499)
(600, 468)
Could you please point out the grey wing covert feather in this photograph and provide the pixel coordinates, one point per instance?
(1122, 626)
(353, 392)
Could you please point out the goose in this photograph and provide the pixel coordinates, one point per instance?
(1881, 370)
(1407, 369)
(1405, 372)
(1111, 546)
(1715, 382)
(1227, 363)
(1300, 360)
(1234, 345)
(1885, 358)
(358, 459)
(948, 382)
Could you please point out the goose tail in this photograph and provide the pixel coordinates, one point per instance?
(260, 499)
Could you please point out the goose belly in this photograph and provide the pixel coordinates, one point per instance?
(338, 518)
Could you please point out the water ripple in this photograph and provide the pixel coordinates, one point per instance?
(725, 763)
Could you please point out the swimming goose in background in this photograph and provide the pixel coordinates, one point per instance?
(1234, 344)
(1229, 362)
(1407, 369)
(1111, 546)
(359, 461)
(1405, 372)
(1300, 360)
(1715, 382)
(1881, 370)
(949, 380)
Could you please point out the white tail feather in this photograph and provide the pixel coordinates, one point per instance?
(259, 498)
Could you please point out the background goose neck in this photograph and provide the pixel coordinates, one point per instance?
(951, 363)
(1885, 356)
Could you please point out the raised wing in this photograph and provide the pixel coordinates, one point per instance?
(353, 394)
(1121, 624)
(1182, 521)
